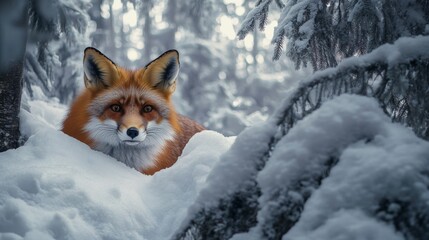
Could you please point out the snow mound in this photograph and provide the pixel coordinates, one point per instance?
(55, 187)
(345, 171)
(41, 114)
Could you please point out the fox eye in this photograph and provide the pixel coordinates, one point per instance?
(115, 108)
(147, 109)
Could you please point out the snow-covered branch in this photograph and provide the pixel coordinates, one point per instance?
(230, 205)
(259, 13)
(57, 38)
(324, 32)
(389, 73)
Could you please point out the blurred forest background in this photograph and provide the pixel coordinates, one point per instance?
(225, 83)
(233, 75)
(229, 76)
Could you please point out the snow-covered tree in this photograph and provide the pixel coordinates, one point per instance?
(328, 164)
(57, 39)
(55, 34)
(251, 205)
(324, 32)
(264, 183)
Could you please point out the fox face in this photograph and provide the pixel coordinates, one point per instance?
(128, 114)
(130, 107)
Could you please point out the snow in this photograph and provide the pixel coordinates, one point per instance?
(401, 51)
(55, 187)
(391, 167)
(351, 225)
(249, 22)
(319, 135)
(306, 30)
(347, 167)
(298, 11)
(377, 161)
(236, 165)
(41, 114)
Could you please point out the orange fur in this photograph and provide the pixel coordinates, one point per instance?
(107, 85)
(77, 118)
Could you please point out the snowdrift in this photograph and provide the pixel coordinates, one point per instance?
(343, 172)
(55, 187)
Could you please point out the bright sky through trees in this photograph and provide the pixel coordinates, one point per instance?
(227, 28)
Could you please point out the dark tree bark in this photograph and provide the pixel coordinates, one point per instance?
(10, 98)
(13, 36)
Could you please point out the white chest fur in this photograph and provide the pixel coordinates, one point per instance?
(138, 157)
(142, 155)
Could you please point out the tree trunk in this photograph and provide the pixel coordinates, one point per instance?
(13, 36)
(10, 98)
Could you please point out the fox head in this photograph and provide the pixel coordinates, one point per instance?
(130, 108)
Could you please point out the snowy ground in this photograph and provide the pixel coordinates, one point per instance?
(55, 187)
(343, 172)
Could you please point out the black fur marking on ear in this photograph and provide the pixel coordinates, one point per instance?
(168, 74)
(96, 75)
(170, 71)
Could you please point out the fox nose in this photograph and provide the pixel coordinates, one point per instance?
(132, 132)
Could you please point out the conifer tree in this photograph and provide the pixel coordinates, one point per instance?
(46, 21)
(363, 47)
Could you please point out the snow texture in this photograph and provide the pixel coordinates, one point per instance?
(401, 51)
(258, 13)
(345, 171)
(55, 187)
(378, 174)
(392, 71)
(323, 33)
(296, 12)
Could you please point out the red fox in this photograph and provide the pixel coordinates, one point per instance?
(128, 114)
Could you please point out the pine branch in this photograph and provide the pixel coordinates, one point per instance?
(278, 45)
(46, 61)
(259, 13)
(341, 29)
(247, 26)
(355, 76)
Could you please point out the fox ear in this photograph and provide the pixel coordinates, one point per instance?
(163, 71)
(100, 71)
